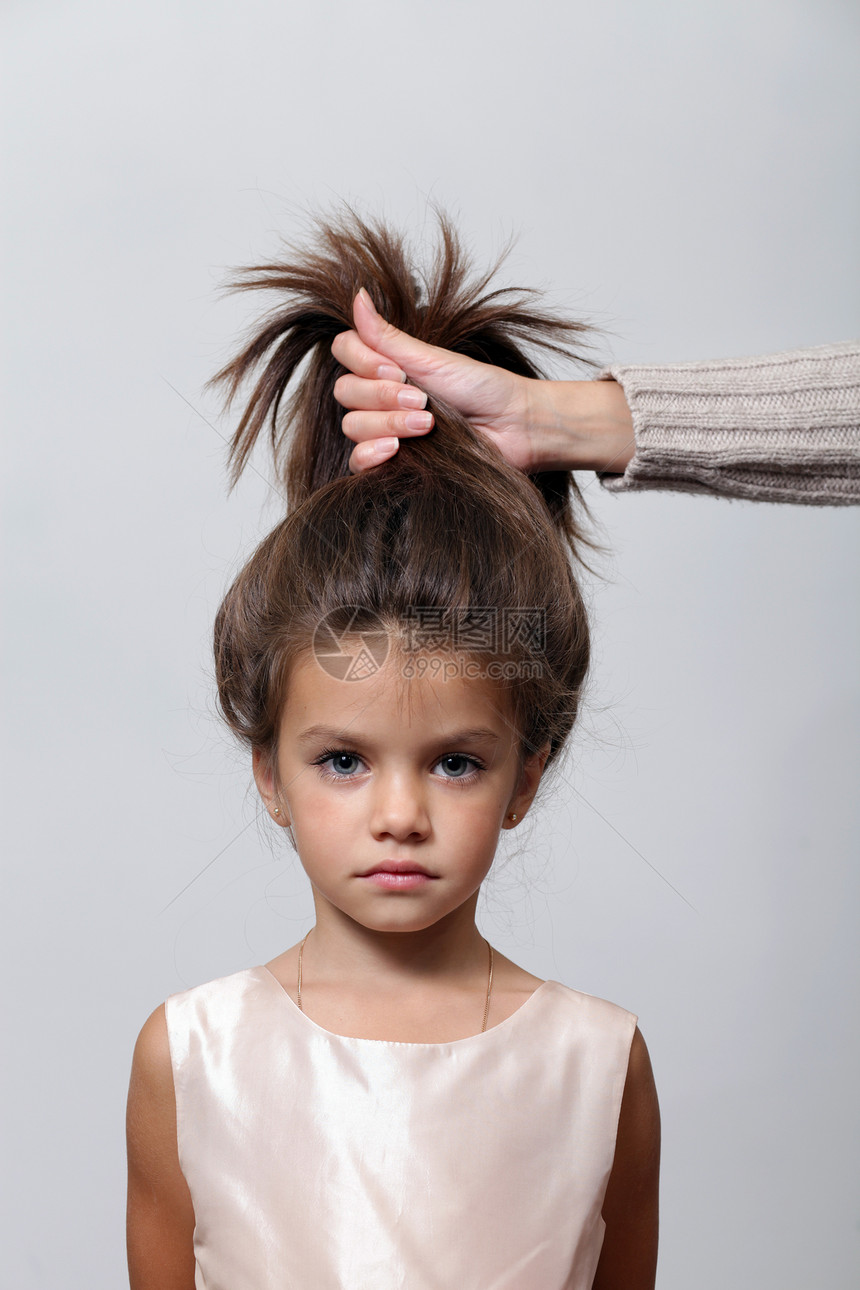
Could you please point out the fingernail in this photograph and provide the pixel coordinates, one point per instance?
(382, 448)
(387, 373)
(418, 420)
(410, 397)
(365, 297)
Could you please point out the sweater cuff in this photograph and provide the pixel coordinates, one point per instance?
(783, 427)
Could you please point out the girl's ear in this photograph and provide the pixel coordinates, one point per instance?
(530, 775)
(264, 776)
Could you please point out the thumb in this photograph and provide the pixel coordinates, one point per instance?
(415, 357)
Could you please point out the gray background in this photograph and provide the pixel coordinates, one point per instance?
(685, 175)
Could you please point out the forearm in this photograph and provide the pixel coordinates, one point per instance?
(783, 427)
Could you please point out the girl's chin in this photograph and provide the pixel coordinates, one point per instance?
(387, 912)
(382, 906)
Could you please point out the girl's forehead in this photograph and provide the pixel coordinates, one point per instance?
(396, 695)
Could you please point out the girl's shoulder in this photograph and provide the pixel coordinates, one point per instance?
(568, 996)
(224, 995)
(219, 987)
(588, 1012)
(561, 999)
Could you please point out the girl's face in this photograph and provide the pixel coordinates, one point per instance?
(420, 772)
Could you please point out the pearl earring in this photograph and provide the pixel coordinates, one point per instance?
(513, 817)
(277, 810)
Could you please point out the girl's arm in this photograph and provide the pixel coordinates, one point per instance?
(160, 1222)
(628, 1260)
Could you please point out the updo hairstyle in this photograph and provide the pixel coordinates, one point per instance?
(443, 532)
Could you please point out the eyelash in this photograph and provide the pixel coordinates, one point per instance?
(328, 753)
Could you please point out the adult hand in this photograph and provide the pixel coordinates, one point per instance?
(384, 409)
(536, 425)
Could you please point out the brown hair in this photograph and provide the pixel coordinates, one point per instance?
(447, 526)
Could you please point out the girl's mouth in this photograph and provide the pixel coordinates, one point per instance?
(406, 880)
(398, 875)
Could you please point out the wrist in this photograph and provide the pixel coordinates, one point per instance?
(580, 425)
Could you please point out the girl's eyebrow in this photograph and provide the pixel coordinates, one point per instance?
(335, 734)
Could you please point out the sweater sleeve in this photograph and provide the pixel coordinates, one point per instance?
(780, 428)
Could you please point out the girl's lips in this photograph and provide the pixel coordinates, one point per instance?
(405, 880)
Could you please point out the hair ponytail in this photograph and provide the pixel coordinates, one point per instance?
(446, 524)
(440, 301)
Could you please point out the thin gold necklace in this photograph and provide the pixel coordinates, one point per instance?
(489, 980)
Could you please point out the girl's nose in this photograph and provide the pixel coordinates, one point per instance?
(399, 809)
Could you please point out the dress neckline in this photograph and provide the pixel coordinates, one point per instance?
(399, 1043)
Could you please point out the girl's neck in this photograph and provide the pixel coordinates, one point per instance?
(450, 952)
(428, 986)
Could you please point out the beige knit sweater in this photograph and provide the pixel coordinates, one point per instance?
(781, 428)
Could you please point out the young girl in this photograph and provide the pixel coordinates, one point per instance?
(390, 1103)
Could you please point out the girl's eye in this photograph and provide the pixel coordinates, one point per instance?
(341, 764)
(458, 766)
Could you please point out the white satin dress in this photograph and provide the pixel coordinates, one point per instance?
(321, 1162)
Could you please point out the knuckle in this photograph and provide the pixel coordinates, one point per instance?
(346, 391)
(340, 345)
(359, 458)
(348, 425)
(387, 392)
(363, 426)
